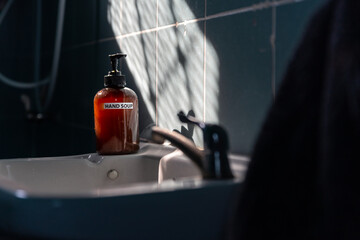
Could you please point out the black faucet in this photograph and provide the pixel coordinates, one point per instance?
(213, 162)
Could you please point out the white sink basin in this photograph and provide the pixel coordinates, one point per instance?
(114, 197)
(83, 175)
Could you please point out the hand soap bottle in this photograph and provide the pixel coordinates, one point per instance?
(116, 114)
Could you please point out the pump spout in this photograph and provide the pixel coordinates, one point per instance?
(115, 78)
(114, 59)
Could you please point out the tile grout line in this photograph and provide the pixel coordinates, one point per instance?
(156, 64)
(273, 52)
(255, 7)
(204, 66)
(121, 20)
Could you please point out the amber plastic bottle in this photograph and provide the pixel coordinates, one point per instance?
(116, 114)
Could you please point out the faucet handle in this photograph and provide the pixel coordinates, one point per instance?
(214, 135)
(190, 119)
(216, 146)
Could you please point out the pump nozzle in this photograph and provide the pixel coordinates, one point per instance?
(114, 77)
(114, 59)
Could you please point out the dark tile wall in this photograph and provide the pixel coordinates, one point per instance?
(210, 57)
(291, 20)
(245, 73)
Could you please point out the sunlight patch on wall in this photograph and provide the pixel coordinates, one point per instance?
(176, 80)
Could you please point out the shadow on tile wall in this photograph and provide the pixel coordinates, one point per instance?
(211, 57)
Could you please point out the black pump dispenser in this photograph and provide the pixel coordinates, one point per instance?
(114, 77)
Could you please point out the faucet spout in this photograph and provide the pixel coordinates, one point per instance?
(213, 161)
(181, 142)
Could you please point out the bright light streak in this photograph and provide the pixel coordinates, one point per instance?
(167, 59)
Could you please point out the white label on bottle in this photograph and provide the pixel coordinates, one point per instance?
(118, 105)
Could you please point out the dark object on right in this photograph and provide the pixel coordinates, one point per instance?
(304, 178)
